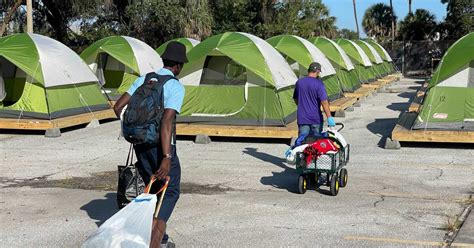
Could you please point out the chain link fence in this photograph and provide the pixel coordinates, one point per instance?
(417, 58)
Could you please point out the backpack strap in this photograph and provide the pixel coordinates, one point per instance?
(162, 80)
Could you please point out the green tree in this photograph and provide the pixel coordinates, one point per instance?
(418, 26)
(459, 19)
(240, 15)
(377, 21)
(348, 34)
(303, 18)
(158, 21)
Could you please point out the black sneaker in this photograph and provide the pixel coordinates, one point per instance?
(167, 244)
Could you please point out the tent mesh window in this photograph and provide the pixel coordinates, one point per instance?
(222, 70)
(110, 71)
(13, 82)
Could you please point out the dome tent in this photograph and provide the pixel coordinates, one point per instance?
(237, 78)
(187, 42)
(300, 53)
(361, 62)
(345, 69)
(388, 62)
(43, 79)
(119, 60)
(449, 101)
(375, 58)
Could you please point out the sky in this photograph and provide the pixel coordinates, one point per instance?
(343, 10)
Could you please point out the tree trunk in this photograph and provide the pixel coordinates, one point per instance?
(8, 17)
(355, 17)
(409, 6)
(393, 22)
(56, 20)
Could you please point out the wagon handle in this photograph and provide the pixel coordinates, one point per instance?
(340, 124)
(152, 180)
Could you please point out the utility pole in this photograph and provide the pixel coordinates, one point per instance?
(355, 17)
(29, 16)
(393, 22)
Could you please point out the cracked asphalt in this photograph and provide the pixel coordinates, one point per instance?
(238, 192)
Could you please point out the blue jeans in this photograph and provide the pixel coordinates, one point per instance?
(314, 129)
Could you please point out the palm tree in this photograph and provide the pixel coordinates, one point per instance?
(417, 26)
(355, 17)
(377, 21)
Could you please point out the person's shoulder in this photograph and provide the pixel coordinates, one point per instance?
(173, 84)
(303, 79)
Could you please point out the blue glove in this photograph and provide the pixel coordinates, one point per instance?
(331, 122)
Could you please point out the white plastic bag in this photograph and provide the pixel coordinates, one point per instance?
(128, 228)
(291, 154)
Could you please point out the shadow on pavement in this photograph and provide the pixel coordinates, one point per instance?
(286, 179)
(409, 95)
(382, 128)
(398, 106)
(102, 209)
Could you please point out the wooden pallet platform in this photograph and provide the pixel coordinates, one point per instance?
(39, 124)
(287, 132)
(374, 85)
(405, 135)
(403, 132)
(418, 100)
(359, 93)
(342, 103)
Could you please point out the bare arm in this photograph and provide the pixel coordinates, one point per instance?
(165, 136)
(326, 109)
(120, 104)
(166, 130)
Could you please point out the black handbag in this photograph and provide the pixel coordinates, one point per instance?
(130, 183)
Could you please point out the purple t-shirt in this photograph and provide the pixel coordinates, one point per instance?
(309, 92)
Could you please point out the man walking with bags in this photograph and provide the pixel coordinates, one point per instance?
(310, 95)
(157, 157)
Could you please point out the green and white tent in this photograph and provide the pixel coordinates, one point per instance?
(237, 78)
(388, 64)
(119, 60)
(343, 65)
(187, 42)
(375, 58)
(449, 101)
(42, 78)
(299, 53)
(361, 62)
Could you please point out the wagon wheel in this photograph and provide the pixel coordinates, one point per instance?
(343, 176)
(334, 184)
(302, 184)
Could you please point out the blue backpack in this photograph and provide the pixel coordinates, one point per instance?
(142, 118)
